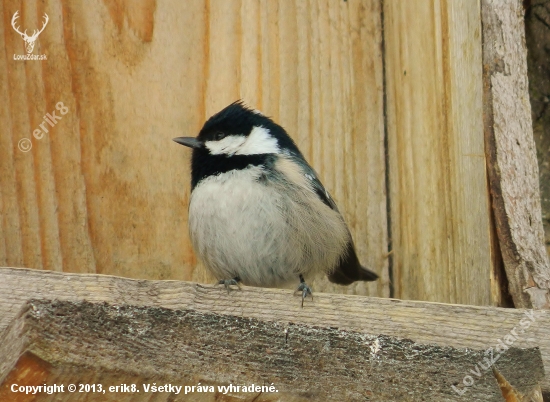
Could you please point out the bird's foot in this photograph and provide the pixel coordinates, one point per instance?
(227, 283)
(304, 288)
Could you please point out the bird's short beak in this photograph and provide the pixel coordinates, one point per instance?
(190, 142)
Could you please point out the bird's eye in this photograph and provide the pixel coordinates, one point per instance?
(219, 135)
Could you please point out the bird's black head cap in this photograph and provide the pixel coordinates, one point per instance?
(236, 138)
(239, 119)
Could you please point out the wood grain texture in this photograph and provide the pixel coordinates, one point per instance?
(537, 38)
(106, 190)
(156, 345)
(512, 162)
(456, 326)
(437, 181)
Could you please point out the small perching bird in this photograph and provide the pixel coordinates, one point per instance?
(258, 213)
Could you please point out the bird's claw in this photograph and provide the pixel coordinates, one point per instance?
(305, 289)
(227, 283)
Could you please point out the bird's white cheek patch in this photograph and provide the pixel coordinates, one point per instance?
(258, 142)
(229, 145)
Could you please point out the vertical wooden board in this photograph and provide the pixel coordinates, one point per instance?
(11, 252)
(305, 71)
(289, 49)
(347, 128)
(511, 150)
(438, 190)
(368, 156)
(127, 95)
(107, 191)
(251, 84)
(473, 252)
(269, 56)
(224, 54)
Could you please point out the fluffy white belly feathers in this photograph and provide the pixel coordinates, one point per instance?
(241, 225)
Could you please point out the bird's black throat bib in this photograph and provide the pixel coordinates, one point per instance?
(204, 165)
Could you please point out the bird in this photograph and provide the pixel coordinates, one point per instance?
(258, 213)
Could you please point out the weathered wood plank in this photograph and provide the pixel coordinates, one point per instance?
(437, 181)
(456, 326)
(512, 161)
(106, 190)
(311, 363)
(537, 38)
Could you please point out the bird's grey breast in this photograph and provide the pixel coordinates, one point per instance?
(265, 226)
(236, 226)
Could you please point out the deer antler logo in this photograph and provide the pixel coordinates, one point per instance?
(29, 40)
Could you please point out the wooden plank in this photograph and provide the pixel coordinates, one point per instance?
(106, 191)
(512, 161)
(307, 363)
(440, 223)
(537, 23)
(454, 326)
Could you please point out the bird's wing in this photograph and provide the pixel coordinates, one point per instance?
(348, 269)
(316, 184)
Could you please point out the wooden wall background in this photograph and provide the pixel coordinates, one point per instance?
(439, 194)
(360, 84)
